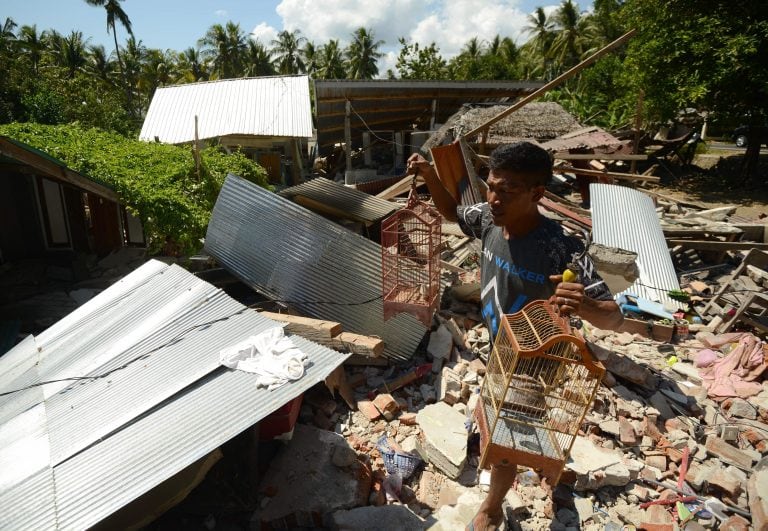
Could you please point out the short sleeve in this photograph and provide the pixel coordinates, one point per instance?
(473, 219)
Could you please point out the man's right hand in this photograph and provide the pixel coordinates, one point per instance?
(417, 163)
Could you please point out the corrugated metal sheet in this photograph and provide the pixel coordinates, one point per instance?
(162, 402)
(357, 205)
(625, 218)
(265, 106)
(291, 254)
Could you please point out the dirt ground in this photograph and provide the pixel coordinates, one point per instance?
(713, 181)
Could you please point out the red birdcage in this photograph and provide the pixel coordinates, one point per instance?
(410, 260)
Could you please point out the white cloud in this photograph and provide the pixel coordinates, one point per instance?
(448, 23)
(221, 13)
(264, 33)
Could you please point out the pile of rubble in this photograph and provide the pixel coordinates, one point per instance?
(656, 451)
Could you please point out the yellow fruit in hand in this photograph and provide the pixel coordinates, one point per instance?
(570, 276)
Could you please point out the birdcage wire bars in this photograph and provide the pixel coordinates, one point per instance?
(410, 260)
(539, 383)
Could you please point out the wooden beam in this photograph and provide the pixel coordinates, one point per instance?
(329, 333)
(709, 245)
(562, 210)
(564, 155)
(306, 326)
(400, 187)
(552, 84)
(611, 174)
(374, 110)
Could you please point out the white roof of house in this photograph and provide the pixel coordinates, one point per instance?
(276, 106)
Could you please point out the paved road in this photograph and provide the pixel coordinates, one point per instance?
(728, 146)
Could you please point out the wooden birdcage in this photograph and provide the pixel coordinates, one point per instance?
(410, 260)
(539, 383)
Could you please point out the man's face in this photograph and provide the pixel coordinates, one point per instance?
(510, 197)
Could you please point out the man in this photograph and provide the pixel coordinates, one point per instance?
(523, 258)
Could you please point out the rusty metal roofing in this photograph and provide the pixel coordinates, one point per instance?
(125, 392)
(276, 106)
(400, 105)
(293, 255)
(627, 219)
(348, 202)
(589, 139)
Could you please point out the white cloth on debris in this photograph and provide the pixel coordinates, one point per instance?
(270, 355)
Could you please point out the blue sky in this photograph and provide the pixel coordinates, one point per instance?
(178, 24)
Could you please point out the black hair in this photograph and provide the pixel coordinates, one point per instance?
(526, 158)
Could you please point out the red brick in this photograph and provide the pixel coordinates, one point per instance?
(734, 523)
(408, 418)
(657, 461)
(627, 434)
(728, 484)
(719, 448)
(387, 405)
(367, 408)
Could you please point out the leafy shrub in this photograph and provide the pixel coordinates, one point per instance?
(157, 182)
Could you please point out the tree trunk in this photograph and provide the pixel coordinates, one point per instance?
(749, 163)
(128, 98)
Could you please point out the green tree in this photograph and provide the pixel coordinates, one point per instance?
(116, 14)
(415, 62)
(331, 61)
(310, 54)
(99, 63)
(31, 45)
(363, 54)
(286, 50)
(225, 46)
(258, 60)
(541, 30)
(191, 66)
(706, 55)
(571, 37)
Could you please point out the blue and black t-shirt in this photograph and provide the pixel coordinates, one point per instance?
(516, 271)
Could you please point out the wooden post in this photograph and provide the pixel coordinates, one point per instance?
(432, 117)
(638, 124)
(555, 82)
(348, 139)
(196, 153)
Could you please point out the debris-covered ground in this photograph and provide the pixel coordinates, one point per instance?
(677, 437)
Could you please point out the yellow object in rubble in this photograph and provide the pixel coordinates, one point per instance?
(570, 276)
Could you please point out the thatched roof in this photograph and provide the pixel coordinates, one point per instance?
(540, 121)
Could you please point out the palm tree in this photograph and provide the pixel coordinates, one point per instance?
(567, 46)
(287, 52)
(191, 66)
(115, 13)
(31, 45)
(224, 46)
(99, 64)
(72, 53)
(508, 50)
(258, 60)
(541, 28)
(310, 54)
(331, 61)
(363, 54)
(7, 36)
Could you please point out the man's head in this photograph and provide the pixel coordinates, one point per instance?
(525, 159)
(518, 174)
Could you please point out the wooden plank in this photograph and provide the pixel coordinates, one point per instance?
(709, 245)
(611, 174)
(560, 209)
(306, 326)
(399, 188)
(324, 208)
(373, 347)
(564, 155)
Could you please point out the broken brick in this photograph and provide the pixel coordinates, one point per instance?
(735, 523)
(367, 408)
(727, 453)
(387, 405)
(627, 434)
(408, 418)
